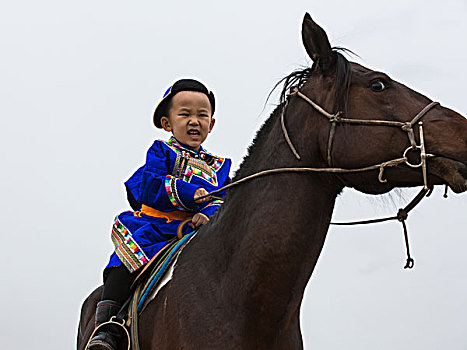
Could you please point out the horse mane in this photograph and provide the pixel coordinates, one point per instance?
(343, 77)
(298, 78)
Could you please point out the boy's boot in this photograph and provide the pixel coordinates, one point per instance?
(107, 336)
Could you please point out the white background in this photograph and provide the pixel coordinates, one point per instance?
(78, 84)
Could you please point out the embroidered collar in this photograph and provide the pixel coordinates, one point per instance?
(202, 153)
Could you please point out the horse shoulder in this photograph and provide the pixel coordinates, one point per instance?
(86, 321)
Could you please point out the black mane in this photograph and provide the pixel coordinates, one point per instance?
(298, 78)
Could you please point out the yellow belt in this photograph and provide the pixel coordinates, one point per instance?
(169, 216)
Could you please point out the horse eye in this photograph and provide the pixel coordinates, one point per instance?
(377, 86)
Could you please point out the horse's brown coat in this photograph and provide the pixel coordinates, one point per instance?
(240, 283)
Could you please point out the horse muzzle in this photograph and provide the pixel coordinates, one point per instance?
(452, 172)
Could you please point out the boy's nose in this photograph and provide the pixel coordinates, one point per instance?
(193, 121)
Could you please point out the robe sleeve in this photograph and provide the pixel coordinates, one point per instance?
(212, 207)
(159, 189)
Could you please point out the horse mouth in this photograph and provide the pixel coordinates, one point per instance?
(452, 172)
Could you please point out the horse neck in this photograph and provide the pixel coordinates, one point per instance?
(270, 233)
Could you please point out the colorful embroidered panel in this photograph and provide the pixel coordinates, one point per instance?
(214, 202)
(190, 163)
(126, 248)
(198, 167)
(171, 190)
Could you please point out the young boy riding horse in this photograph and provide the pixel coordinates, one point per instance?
(163, 193)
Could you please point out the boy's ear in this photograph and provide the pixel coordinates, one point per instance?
(213, 121)
(166, 124)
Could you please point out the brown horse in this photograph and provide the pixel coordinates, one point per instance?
(239, 284)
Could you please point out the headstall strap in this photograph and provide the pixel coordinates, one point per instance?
(284, 131)
(408, 127)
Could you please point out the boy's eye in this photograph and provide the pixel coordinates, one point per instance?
(184, 114)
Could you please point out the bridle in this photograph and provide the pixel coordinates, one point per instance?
(336, 119)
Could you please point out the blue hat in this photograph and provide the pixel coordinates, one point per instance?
(181, 85)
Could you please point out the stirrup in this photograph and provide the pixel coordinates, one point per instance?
(113, 320)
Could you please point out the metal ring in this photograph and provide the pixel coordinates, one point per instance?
(407, 159)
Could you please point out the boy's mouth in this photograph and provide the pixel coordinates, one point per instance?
(193, 133)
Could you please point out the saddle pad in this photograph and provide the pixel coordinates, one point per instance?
(160, 268)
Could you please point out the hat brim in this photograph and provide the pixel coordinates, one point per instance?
(160, 111)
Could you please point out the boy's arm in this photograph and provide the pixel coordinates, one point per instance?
(159, 189)
(211, 208)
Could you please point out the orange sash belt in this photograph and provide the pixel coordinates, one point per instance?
(170, 215)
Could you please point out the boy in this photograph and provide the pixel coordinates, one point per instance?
(163, 193)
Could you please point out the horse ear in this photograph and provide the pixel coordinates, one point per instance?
(316, 43)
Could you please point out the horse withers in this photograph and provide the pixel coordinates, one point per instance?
(239, 284)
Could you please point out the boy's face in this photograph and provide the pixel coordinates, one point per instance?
(189, 118)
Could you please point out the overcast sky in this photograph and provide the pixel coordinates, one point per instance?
(79, 81)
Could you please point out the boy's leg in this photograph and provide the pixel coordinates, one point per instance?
(117, 282)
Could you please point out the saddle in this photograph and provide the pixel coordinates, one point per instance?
(156, 274)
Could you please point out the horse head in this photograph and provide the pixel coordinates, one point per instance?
(353, 95)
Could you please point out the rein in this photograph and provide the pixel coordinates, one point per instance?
(335, 119)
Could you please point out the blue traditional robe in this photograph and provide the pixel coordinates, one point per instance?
(166, 185)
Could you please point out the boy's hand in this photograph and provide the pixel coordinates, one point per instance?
(201, 192)
(198, 220)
